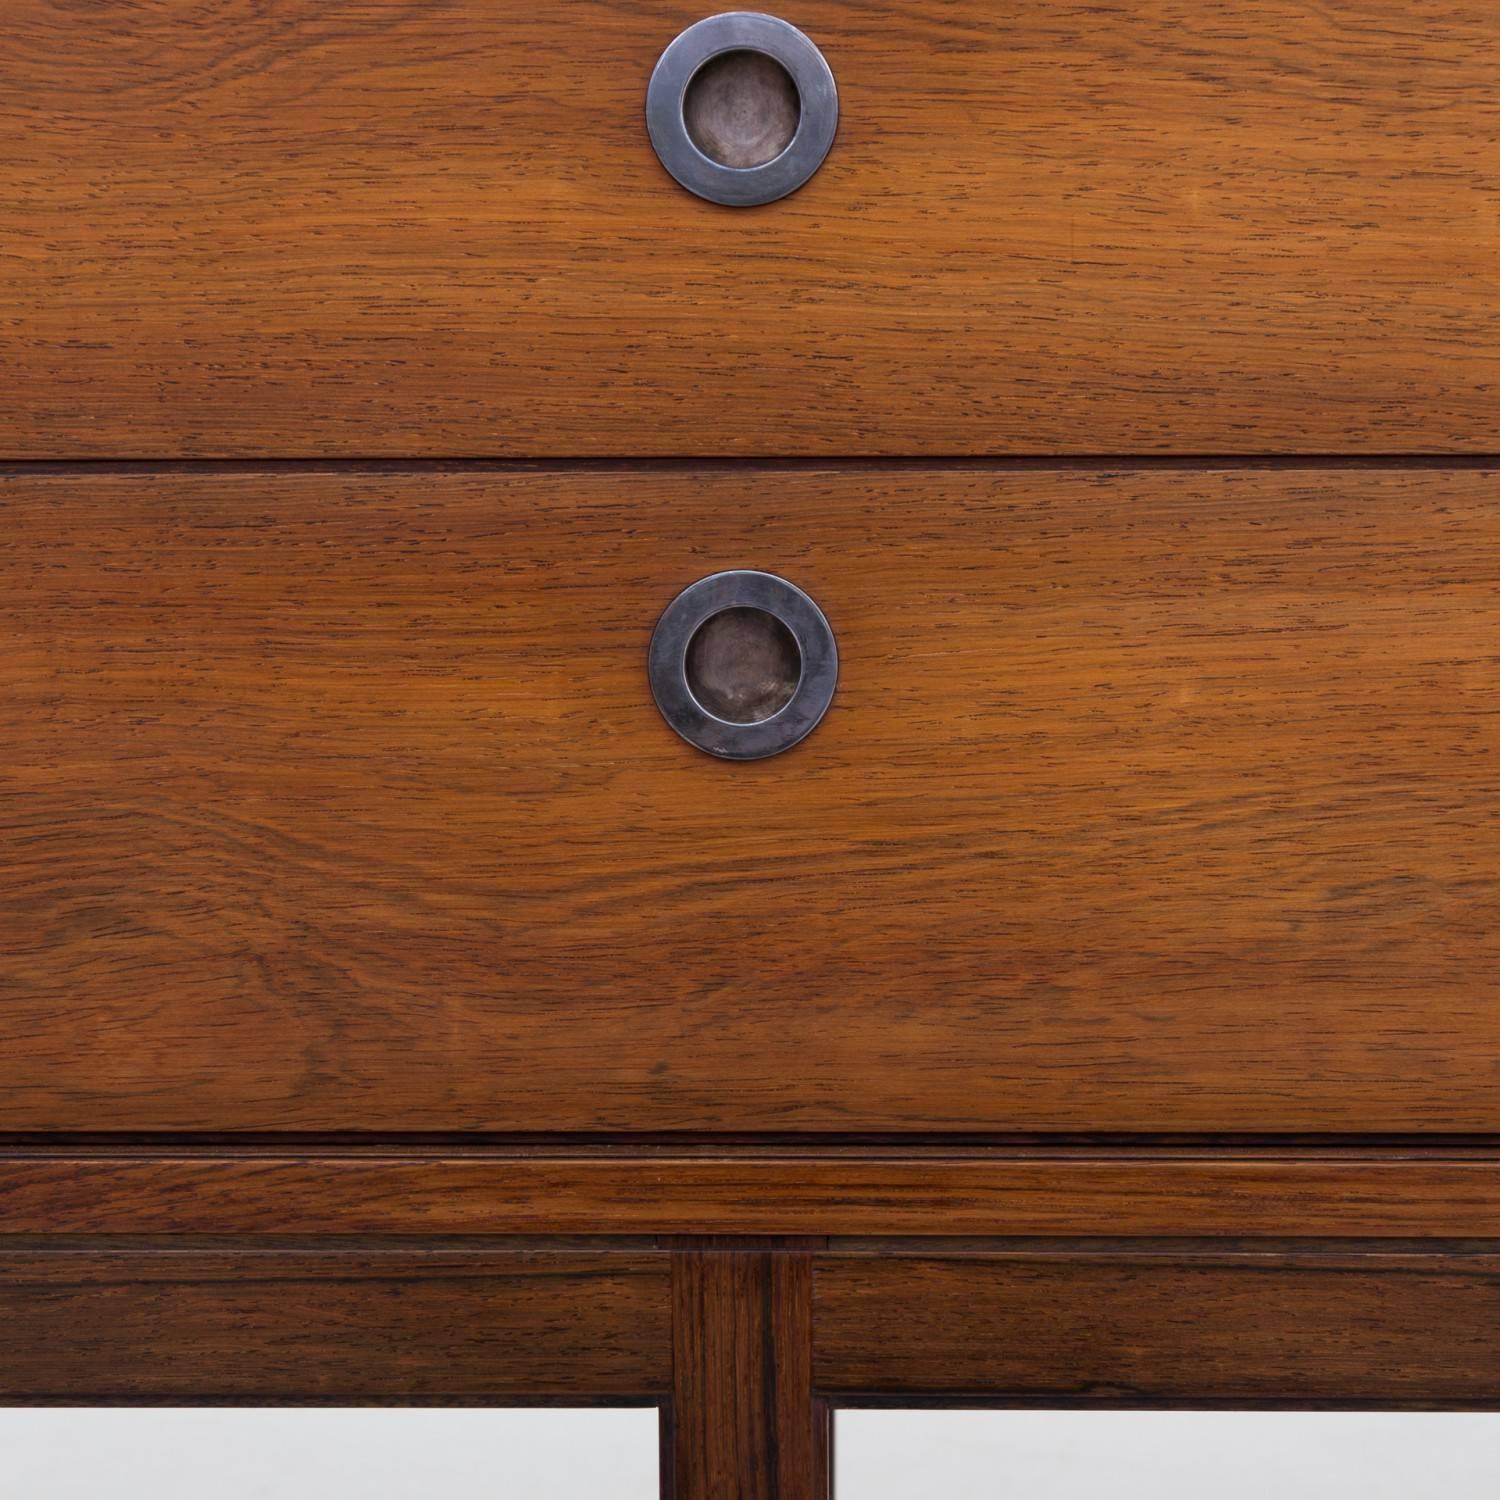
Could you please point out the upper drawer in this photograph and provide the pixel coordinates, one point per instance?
(438, 227)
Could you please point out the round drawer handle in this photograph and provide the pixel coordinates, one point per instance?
(743, 665)
(742, 108)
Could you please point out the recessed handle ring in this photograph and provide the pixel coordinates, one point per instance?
(743, 665)
(734, 88)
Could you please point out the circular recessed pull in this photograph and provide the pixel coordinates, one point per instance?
(742, 108)
(743, 665)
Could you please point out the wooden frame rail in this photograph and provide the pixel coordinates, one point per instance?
(1451, 1192)
(1137, 1278)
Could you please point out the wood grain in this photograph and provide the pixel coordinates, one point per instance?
(1156, 801)
(746, 1423)
(1366, 1194)
(283, 1324)
(437, 227)
(1138, 1329)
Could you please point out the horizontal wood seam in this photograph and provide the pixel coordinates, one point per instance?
(968, 463)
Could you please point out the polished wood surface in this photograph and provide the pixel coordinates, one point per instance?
(1118, 1191)
(1098, 1008)
(745, 1421)
(178, 1322)
(1142, 1329)
(746, 1344)
(1153, 801)
(436, 227)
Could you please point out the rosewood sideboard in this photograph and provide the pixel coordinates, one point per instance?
(750, 713)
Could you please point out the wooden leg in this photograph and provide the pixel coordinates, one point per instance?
(745, 1421)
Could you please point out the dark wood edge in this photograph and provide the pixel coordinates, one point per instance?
(14, 466)
(482, 1400)
(1449, 1194)
(745, 1418)
(795, 1330)
(1315, 1326)
(327, 1321)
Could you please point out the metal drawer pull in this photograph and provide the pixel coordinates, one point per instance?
(743, 665)
(742, 108)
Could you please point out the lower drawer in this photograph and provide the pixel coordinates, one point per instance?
(1150, 801)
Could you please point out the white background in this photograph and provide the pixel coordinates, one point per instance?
(557, 1454)
(1177, 1455)
(319, 1454)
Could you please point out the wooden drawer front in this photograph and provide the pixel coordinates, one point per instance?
(1150, 801)
(437, 227)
